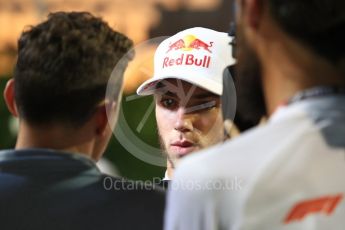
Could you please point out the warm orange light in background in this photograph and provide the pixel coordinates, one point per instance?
(135, 18)
(140, 69)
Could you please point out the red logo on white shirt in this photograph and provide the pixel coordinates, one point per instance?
(325, 205)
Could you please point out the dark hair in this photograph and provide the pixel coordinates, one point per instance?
(64, 65)
(319, 24)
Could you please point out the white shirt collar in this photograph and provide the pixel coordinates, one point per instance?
(166, 176)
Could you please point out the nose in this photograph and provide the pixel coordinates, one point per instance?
(184, 121)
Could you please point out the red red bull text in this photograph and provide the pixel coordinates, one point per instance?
(188, 59)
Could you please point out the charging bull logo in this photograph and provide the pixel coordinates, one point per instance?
(190, 42)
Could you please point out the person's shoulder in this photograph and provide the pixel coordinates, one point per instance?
(147, 199)
(213, 156)
(133, 192)
(239, 156)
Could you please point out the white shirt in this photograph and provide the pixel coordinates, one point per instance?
(287, 175)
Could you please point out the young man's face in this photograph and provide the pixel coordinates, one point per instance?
(189, 118)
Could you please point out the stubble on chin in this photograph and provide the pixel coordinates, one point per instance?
(165, 151)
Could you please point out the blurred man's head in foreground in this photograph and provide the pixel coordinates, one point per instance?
(304, 35)
(60, 80)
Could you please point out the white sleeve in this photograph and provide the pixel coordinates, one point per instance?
(191, 203)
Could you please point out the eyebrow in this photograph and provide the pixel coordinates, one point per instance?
(169, 93)
(205, 95)
(196, 96)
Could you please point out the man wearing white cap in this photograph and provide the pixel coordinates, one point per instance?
(187, 88)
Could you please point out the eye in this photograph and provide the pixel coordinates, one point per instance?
(207, 105)
(169, 103)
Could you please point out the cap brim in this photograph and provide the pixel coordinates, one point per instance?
(149, 86)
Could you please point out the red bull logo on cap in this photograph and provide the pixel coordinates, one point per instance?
(188, 59)
(188, 43)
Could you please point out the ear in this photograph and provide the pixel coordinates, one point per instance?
(252, 11)
(231, 129)
(9, 97)
(102, 120)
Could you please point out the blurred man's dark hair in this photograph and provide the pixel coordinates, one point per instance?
(319, 24)
(63, 67)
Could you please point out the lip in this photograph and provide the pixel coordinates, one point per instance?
(183, 147)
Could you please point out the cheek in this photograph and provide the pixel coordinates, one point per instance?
(209, 121)
(212, 129)
(165, 121)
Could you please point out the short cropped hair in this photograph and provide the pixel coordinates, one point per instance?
(319, 24)
(64, 65)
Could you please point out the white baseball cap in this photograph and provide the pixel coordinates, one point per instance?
(196, 55)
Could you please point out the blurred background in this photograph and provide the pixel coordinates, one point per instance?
(138, 19)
